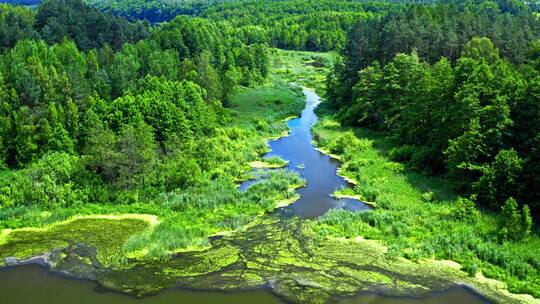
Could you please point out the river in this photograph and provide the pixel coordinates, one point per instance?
(34, 284)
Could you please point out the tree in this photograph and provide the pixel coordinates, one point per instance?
(511, 222)
(137, 152)
(526, 221)
(101, 153)
(501, 179)
(481, 49)
(208, 77)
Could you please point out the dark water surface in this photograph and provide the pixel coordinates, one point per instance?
(31, 284)
(34, 284)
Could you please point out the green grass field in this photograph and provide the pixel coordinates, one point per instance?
(304, 68)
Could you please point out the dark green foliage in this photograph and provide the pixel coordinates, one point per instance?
(500, 180)
(16, 23)
(153, 10)
(433, 31)
(465, 120)
(88, 27)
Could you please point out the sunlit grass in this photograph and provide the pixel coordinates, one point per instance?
(415, 214)
(305, 68)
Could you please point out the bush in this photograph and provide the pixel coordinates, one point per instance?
(430, 197)
(465, 210)
(348, 141)
(470, 267)
(56, 180)
(394, 167)
(513, 224)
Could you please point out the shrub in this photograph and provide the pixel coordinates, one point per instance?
(394, 167)
(513, 224)
(470, 267)
(430, 197)
(348, 141)
(465, 210)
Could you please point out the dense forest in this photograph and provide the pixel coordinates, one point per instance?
(54, 21)
(117, 113)
(163, 109)
(464, 106)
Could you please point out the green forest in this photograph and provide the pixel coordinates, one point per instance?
(134, 124)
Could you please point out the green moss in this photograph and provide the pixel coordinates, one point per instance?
(285, 254)
(107, 236)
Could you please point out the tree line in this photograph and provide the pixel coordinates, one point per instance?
(465, 106)
(53, 20)
(108, 116)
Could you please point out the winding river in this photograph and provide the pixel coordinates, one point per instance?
(34, 284)
(318, 169)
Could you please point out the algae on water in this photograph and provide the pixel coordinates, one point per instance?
(278, 250)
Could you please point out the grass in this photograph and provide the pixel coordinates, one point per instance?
(264, 109)
(304, 68)
(416, 214)
(189, 215)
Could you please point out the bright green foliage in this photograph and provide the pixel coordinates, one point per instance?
(481, 49)
(465, 210)
(465, 120)
(526, 221)
(448, 228)
(53, 96)
(511, 221)
(121, 122)
(57, 180)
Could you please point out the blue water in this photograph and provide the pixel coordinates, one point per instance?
(319, 170)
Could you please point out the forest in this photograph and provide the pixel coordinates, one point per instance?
(88, 122)
(464, 107)
(141, 122)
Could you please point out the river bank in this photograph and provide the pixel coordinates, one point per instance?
(415, 214)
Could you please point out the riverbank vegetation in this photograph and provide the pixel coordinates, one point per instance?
(422, 217)
(432, 108)
(443, 137)
(468, 111)
(308, 69)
